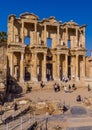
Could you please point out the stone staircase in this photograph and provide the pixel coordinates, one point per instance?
(49, 85)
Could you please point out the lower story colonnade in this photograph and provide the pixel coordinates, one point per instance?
(42, 66)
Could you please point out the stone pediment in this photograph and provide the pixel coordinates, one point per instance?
(71, 23)
(50, 20)
(29, 16)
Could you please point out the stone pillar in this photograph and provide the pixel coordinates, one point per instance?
(35, 33)
(77, 68)
(45, 36)
(12, 64)
(22, 32)
(44, 68)
(58, 67)
(34, 68)
(76, 37)
(83, 66)
(22, 68)
(58, 34)
(54, 67)
(66, 37)
(12, 31)
(66, 65)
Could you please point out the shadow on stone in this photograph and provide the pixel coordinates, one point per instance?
(78, 110)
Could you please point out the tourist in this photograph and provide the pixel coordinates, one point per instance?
(28, 88)
(73, 76)
(56, 87)
(63, 78)
(65, 89)
(89, 89)
(15, 106)
(78, 99)
(74, 87)
(69, 88)
(42, 84)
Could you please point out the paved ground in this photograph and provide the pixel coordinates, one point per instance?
(47, 94)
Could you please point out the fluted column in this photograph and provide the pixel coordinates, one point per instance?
(34, 68)
(58, 66)
(76, 37)
(54, 67)
(83, 66)
(84, 38)
(45, 34)
(12, 32)
(11, 64)
(22, 32)
(66, 65)
(35, 33)
(44, 68)
(77, 67)
(57, 34)
(22, 68)
(66, 38)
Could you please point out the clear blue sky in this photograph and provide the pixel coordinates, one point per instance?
(65, 10)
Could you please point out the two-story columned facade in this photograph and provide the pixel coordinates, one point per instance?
(45, 50)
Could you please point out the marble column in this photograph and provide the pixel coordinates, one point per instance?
(66, 38)
(12, 32)
(66, 65)
(22, 32)
(22, 68)
(77, 68)
(58, 34)
(54, 67)
(83, 66)
(58, 66)
(44, 68)
(34, 68)
(45, 36)
(84, 38)
(35, 33)
(76, 37)
(12, 64)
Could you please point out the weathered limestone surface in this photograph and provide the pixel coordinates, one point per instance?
(30, 55)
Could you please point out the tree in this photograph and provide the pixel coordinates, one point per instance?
(3, 37)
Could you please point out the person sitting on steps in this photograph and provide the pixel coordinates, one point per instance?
(42, 84)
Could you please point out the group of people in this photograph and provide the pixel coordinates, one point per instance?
(65, 79)
(56, 87)
(69, 88)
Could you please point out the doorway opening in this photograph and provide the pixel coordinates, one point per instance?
(49, 71)
(27, 74)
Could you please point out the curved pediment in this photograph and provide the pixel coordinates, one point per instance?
(28, 15)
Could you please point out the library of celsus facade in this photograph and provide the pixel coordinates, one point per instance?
(45, 49)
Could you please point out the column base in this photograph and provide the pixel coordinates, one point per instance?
(45, 79)
(77, 78)
(34, 79)
(56, 79)
(21, 80)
